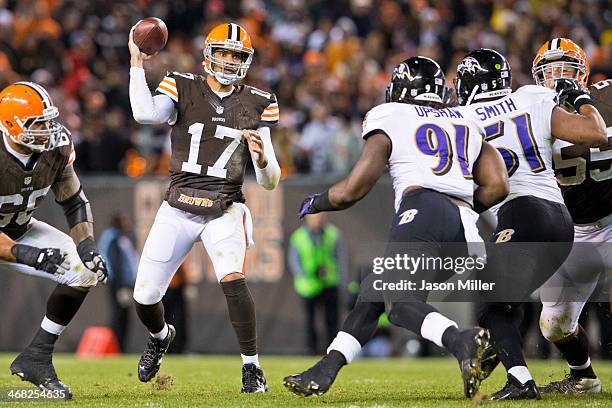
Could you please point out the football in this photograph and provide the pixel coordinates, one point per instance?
(150, 35)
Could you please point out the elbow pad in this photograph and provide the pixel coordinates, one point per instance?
(77, 209)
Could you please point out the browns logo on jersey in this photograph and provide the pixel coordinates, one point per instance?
(585, 175)
(23, 188)
(208, 149)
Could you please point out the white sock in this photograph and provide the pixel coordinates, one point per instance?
(434, 325)
(250, 359)
(51, 327)
(521, 373)
(581, 367)
(162, 334)
(345, 344)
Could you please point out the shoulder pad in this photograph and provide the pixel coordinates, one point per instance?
(186, 75)
(535, 90)
(251, 90)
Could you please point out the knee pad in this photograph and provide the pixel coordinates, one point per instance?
(147, 294)
(559, 321)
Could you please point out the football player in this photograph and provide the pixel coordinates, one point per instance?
(433, 176)
(217, 126)
(585, 177)
(522, 126)
(36, 155)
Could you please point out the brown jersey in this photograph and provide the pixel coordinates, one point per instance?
(585, 175)
(24, 187)
(208, 149)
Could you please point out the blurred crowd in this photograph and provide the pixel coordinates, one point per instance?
(328, 62)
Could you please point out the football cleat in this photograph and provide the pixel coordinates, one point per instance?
(573, 385)
(514, 390)
(37, 368)
(474, 342)
(152, 356)
(253, 379)
(489, 362)
(316, 380)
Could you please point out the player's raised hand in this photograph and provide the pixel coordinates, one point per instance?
(137, 57)
(571, 94)
(256, 146)
(50, 260)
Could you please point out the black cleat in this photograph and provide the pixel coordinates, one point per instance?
(253, 379)
(152, 356)
(474, 341)
(573, 385)
(37, 368)
(317, 379)
(489, 362)
(514, 390)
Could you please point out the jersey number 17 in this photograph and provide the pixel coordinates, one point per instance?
(218, 168)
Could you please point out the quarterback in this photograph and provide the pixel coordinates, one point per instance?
(36, 155)
(217, 126)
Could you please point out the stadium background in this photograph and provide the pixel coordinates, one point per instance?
(328, 62)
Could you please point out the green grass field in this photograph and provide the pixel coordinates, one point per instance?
(215, 382)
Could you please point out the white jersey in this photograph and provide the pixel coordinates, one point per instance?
(431, 148)
(518, 125)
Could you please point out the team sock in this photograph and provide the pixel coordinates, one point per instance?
(241, 310)
(152, 316)
(575, 350)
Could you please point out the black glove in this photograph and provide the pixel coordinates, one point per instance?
(50, 260)
(572, 94)
(307, 206)
(89, 254)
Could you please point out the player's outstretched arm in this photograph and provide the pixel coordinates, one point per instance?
(146, 108)
(369, 168)
(70, 196)
(364, 175)
(6, 245)
(50, 260)
(491, 176)
(586, 127)
(267, 169)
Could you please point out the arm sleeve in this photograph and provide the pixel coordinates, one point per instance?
(146, 108)
(269, 176)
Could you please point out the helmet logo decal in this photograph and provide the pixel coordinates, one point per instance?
(469, 65)
(402, 71)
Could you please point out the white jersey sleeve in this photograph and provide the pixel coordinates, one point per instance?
(377, 118)
(542, 102)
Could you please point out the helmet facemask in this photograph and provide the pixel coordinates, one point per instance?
(227, 72)
(545, 73)
(31, 134)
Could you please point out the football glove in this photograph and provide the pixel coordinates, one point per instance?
(307, 206)
(50, 260)
(88, 252)
(571, 94)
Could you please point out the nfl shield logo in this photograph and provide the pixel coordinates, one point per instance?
(27, 180)
(219, 110)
